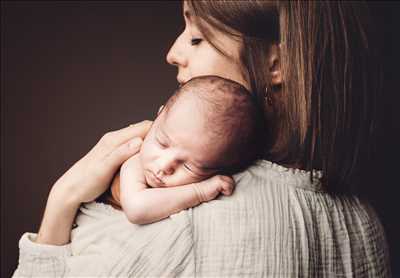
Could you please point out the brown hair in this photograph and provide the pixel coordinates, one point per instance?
(325, 111)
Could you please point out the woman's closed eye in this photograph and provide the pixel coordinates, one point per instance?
(195, 41)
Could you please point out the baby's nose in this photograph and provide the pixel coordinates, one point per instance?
(166, 172)
(167, 166)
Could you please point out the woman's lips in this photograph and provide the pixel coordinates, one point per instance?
(181, 80)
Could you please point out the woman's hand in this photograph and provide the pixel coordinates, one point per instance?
(91, 176)
(86, 180)
(209, 189)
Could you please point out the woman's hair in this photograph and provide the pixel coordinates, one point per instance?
(324, 113)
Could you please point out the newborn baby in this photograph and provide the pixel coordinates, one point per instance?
(210, 126)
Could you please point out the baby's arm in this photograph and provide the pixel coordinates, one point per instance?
(143, 205)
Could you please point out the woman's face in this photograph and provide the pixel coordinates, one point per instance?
(194, 56)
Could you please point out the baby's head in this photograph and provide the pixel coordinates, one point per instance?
(210, 125)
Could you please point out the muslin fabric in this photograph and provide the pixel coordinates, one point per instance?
(278, 223)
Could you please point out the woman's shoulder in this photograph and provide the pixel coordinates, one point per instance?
(271, 189)
(268, 173)
(278, 216)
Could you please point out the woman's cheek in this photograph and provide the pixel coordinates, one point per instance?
(204, 62)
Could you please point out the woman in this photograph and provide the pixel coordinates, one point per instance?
(297, 216)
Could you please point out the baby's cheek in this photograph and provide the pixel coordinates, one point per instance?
(181, 177)
(145, 155)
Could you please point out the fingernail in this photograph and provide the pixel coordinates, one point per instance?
(135, 142)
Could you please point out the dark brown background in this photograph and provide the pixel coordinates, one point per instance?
(73, 71)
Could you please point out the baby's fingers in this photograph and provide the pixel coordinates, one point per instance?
(227, 185)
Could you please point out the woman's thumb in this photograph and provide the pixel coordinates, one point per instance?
(123, 152)
(135, 143)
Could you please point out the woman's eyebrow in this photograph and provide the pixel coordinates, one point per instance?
(188, 15)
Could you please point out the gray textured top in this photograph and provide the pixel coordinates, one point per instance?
(276, 224)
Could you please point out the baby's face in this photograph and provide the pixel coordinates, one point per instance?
(178, 149)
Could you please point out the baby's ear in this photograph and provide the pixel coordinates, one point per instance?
(160, 109)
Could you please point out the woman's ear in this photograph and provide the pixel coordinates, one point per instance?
(274, 65)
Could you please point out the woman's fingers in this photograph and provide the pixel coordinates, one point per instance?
(114, 160)
(113, 139)
(118, 137)
(98, 173)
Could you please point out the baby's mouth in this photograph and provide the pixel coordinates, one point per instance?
(152, 179)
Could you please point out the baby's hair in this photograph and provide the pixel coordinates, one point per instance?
(233, 114)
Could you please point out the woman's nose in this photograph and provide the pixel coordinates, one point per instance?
(176, 55)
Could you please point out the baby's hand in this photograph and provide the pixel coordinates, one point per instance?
(209, 189)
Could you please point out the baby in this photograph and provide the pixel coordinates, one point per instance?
(210, 127)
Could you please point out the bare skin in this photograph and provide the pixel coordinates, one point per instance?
(142, 204)
(163, 178)
(90, 176)
(86, 180)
